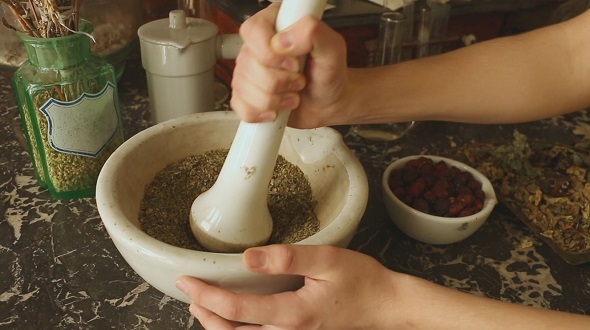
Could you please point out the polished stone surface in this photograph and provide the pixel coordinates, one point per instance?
(61, 270)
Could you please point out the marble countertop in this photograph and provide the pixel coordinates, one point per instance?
(61, 270)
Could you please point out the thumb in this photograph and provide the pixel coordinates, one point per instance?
(317, 262)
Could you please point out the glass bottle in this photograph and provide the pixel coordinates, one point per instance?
(69, 107)
(392, 33)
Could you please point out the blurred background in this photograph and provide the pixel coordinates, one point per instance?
(469, 21)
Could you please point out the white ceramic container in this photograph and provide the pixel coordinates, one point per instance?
(338, 182)
(433, 229)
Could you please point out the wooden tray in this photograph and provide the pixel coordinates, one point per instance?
(572, 258)
(481, 152)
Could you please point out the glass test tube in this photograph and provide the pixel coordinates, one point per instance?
(392, 29)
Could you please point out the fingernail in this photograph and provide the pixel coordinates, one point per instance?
(297, 85)
(180, 285)
(283, 40)
(267, 116)
(290, 64)
(255, 258)
(288, 103)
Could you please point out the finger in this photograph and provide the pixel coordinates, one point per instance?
(242, 307)
(258, 94)
(268, 79)
(261, 101)
(257, 31)
(253, 113)
(310, 36)
(260, 26)
(210, 320)
(249, 112)
(317, 262)
(266, 86)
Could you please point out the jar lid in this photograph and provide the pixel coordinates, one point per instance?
(177, 30)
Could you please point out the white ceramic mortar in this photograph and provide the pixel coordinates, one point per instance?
(338, 182)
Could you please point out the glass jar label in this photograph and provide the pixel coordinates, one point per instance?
(83, 126)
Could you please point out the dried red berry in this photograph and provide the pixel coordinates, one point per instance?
(437, 188)
(421, 205)
(417, 187)
(466, 199)
(456, 207)
(441, 207)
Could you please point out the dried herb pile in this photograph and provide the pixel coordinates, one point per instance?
(44, 18)
(165, 208)
(548, 185)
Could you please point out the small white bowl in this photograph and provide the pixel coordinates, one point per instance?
(433, 229)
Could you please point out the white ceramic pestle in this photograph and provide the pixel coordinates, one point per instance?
(233, 215)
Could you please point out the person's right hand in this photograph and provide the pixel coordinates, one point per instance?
(267, 75)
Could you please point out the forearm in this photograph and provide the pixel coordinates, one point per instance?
(536, 75)
(436, 307)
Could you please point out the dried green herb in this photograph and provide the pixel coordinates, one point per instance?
(165, 208)
(549, 185)
(68, 172)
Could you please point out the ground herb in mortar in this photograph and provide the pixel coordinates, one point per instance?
(165, 208)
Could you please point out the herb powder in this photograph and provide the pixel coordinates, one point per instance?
(165, 208)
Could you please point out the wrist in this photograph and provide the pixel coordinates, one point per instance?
(397, 306)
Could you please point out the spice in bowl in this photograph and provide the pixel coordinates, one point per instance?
(436, 200)
(437, 188)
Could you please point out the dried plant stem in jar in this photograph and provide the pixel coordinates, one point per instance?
(165, 209)
(44, 18)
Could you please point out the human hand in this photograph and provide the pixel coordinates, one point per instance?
(267, 75)
(343, 290)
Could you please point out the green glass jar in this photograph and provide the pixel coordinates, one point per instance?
(69, 107)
